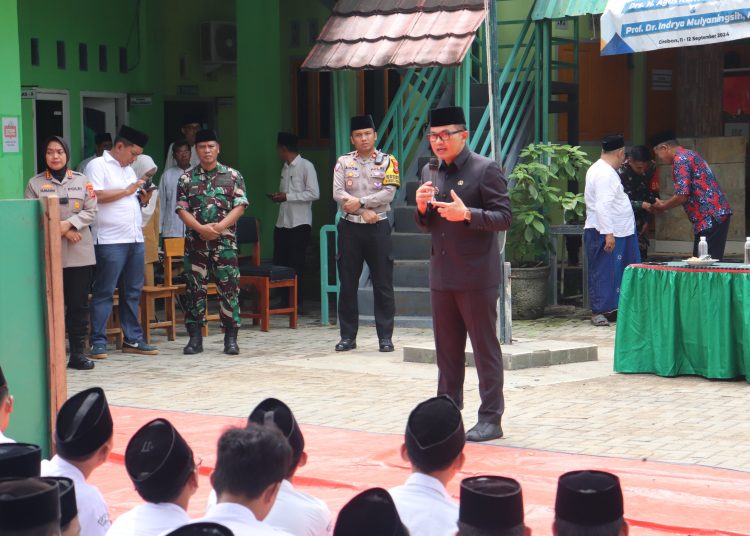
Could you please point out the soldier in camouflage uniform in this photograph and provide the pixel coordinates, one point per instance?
(210, 199)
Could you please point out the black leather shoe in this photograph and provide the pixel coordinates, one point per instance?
(386, 345)
(345, 345)
(484, 431)
(80, 362)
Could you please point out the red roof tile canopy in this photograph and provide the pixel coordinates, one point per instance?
(380, 34)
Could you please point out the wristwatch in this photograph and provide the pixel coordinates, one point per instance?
(361, 203)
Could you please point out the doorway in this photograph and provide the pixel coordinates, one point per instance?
(100, 113)
(175, 112)
(51, 118)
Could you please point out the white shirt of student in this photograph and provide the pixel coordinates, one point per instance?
(93, 513)
(118, 222)
(149, 519)
(300, 184)
(296, 512)
(239, 520)
(170, 224)
(425, 506)
(5, 439)
(608, 208)
(171, 162)
(85, 162)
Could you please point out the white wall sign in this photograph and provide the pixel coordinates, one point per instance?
(10, 135)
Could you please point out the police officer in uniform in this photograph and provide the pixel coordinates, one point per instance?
(364, 183)
(210, 199)
(77, 213)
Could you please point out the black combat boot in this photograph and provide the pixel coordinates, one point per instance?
(195, 344)
(78, 359)
(230, 341)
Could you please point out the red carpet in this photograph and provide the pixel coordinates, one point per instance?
(660, 498)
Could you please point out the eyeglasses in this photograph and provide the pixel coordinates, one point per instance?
(443, 136)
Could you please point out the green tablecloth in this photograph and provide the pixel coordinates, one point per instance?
(676, 319)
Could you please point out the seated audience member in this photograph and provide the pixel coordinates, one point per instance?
(589, 503)
(202, 529)
(160, 463)
(251, 463)
(83, 437)
(29, 507)
(69, 524)
(491, 506)
(371, 513)
(433, 443)
(20, 460)
(294, 511)
(6, 408)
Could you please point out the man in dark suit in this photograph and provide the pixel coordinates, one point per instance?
(463, 204)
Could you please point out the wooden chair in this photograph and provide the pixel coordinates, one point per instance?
(264, 277)
(174, 249)
(149, 295)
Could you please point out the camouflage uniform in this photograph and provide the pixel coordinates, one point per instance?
(209, 197)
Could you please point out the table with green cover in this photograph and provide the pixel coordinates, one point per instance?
(678, 319)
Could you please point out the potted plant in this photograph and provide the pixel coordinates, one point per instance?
(538, 193)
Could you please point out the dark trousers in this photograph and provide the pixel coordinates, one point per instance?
(370, 243)
(454, 315)
(76, 288)
(716, 236)
(290, 249)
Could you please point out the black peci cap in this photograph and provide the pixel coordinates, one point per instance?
(68, 507)
(84, 424)
(660, 137)
(450, 115)
(28, 503)
(361, 122)
(434, 433)
(589, 498)
(287, 139)
(203, 528)
(613, 142)
(371, 513)
(490, 503)
(133, 136)
(275, 411)
(20, 460)
(205, 135)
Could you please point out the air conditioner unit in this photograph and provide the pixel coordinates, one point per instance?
(218, 42)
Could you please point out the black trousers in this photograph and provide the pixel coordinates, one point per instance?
(76, 288)
(290, 249)
(716, 236)
(454, 315)
(370, 243)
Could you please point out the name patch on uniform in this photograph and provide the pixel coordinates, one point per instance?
(224, 181)
(47, 188)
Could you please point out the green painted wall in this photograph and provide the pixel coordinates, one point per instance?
(10, 99)
(22, 311)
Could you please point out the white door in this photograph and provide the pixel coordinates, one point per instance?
(100, 113)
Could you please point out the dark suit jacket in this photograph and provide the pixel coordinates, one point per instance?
(466, 256)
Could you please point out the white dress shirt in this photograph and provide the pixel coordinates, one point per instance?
(93, 513)
(170, 224)
(118, 222)
(239, 520)
(425, 506)
(6, 439)
(608, 208)
(171, 162)
(295, 512)
(149, 519)
(300, 184)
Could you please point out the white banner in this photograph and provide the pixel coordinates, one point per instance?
(639, 25)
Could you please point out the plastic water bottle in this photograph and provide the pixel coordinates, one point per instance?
(747, 250)
(702, 248)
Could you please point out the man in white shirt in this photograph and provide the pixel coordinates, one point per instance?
(609, 235)
(491, 506)
(6, 408)
(251, 463)
(371, 513)
(118, 239)
(433, 443)
(190, 127)
(83, 438)
(170, 224)
(160, 463)
(294, 511)
(298, 189)
(103, 143)
(20, 460)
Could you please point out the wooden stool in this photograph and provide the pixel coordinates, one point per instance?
(113, 330)
(149, 295)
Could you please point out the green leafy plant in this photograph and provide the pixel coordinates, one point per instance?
(538, 192)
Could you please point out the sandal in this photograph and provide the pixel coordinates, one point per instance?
(599, 320)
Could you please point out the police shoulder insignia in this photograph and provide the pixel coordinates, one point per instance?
(391, 174)
(90, 189)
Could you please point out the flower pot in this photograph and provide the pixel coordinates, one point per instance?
(529, 291)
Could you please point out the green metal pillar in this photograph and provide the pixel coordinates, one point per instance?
(341, 114)
(546, 77)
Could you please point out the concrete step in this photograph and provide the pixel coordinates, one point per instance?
(410, 301)
(519, 355)
(424, 322)
(411, 273)
(411, 246)
(405, 220)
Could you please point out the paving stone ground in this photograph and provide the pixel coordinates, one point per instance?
(577, 408)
